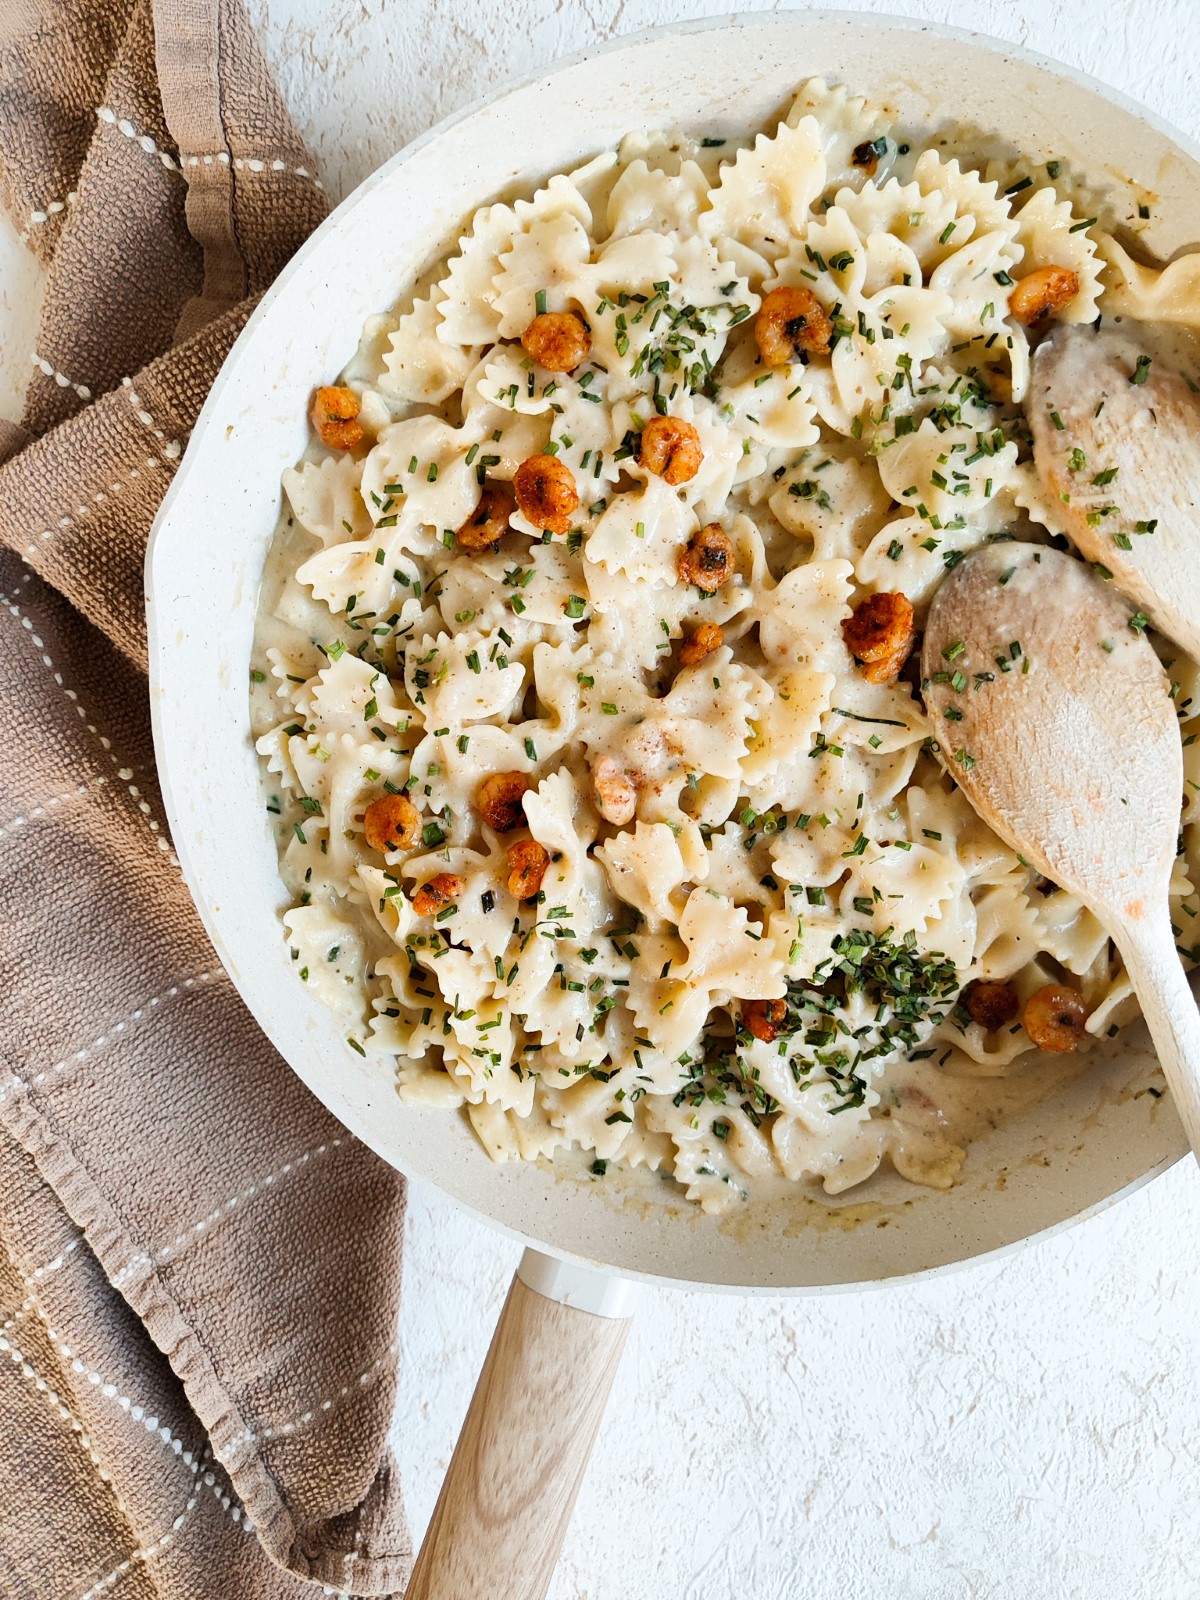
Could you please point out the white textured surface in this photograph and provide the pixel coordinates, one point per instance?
(1022, 1430)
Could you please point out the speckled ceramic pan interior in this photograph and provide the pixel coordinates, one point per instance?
(1074, 1153)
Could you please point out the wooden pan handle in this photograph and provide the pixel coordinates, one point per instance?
(503, 1511)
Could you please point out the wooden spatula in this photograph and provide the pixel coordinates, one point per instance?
(1053, 716)
(1116, 438)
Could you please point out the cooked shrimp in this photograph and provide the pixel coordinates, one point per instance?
(527, 863)
(792, 325)
(707, 638)
(709, 560)
(392, 823)
(442, 890)
(334, 412)
(764, 1018)
(546, 492)
(879, 635)
(616, 796)
(671, 449)
(866, 155)
(1039, 293)
(557, 340)
(1055, 1018)
(499, 799)
(991, 1003)
(488, 523)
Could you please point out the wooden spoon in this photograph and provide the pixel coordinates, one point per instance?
(1116, 442)
(1054, 718)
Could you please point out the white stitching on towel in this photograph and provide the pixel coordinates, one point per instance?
(197, 1465)
(171, 448)
(194, 1463)
(349, 1557)
(144, 1552)
(116, 1029)
(198, 1229)
(126, 774)
(18, 1315)
(123, 125)
(295, 1424)
(54, 208)
(57, 1404)
(52, 1266)
(253, 164)
(40, 811)
(60, 378)
(60, 1260)
(100, 496)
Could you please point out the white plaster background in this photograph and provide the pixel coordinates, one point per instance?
(1027, 1429)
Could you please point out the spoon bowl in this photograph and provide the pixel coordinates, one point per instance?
(1053, 715)
(1116, 439)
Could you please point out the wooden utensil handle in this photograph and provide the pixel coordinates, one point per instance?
(500, 1519)
(1169, 1008)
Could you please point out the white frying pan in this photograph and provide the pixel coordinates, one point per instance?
(524, 1447)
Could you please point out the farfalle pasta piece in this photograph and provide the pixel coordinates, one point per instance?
(329, 957)
(835, 501)
(561, 819)
(647, 199)
(725, 955)
(422, 365)
(645, 868)
(469, 315)
(1149, 294)
(764, 196)
(640, 535)
(799, 620)
(1050, 234)
(461, 678)
(850, 129)
(326, 500)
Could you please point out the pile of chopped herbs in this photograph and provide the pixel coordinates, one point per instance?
(911, 992)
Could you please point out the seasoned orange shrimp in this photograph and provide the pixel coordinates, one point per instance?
(499, 799)
(334, 415)
(527, 863)
(488, 523)
(546, 492)
(991, 1003)
(391, 823)
(764, 1018)
(557, 340)
(866, 156)
(792, 325)
(1055, 1017)
(443, 889)
(709, 560)
(671, 450)
(1039, 293)
(879, 635)
(616, 796)
(706, 638)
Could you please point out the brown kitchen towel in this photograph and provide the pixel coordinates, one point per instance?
(199, 1285)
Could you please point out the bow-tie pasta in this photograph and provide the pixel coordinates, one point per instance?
(585, 685)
